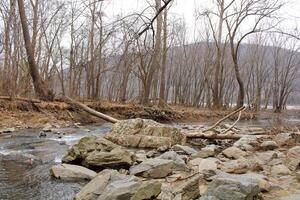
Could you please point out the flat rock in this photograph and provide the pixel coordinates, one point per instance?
(269, 145)
(179, 163)
(184, 149)
(293, 158)
(284, 139)
(111, 185)
(208, 151)
(72, 172)
(234, 152)
(247, 142)
(235, 166)
(186, 189)
(153, 168)
(280, 170)
(228, 187)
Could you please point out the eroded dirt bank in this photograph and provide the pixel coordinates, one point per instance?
(20, 114)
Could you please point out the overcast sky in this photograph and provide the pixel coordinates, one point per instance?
(186, 9)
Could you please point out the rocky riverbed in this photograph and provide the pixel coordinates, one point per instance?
(142, 159)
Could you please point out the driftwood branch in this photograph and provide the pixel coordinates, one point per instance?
(233, 125)
(8, 98)
(90, 110)
(224, 118)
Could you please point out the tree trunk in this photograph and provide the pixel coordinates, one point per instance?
(39, 86)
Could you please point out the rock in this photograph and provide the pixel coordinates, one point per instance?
(62, 142)
(20, 157)
(140, 156)
(284, 139)
(183, 190)
(179, 163)
(247, 142)
(208, 165)
(153, 168)
(111, 185)
(195, 162)
(266, 157)
(298, 176)
(142, 133)
(151, 154)
(163, 149)
(269, 145)
(235, 166)
(208, 151)
(184, 149)
(116, 158)
(295, 196)
(280, 170)
(98, 153)
(293, 158)
(72, 172)
(7, 130)
(234, 152)
(43, 134)
(47, 128)
(228, 187)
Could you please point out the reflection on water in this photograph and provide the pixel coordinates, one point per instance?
(25, 160)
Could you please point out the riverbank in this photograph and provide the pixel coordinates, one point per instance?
(22, 114)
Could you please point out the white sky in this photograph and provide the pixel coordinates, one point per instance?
(186, 9)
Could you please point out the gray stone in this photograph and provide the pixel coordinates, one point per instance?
(269, 145)
(143, 133)
(111, 185)
(72, 172)
(284, 139)
(280, 170)
(20, 157)
(293, 158)
(184, 149)
(208, 151)
(208, 165)
(234, 152)
(182, 190)
(153, 168)
(295, 196)
(232, 187)
(179, 163)
(235, 166)
(247, 142)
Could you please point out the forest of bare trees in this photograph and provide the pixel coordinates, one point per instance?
(239, 55)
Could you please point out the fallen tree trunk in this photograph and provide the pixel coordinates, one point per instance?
(8, 98)
(90, 110)
(214, 136)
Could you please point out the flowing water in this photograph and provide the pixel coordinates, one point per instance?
(23, 178)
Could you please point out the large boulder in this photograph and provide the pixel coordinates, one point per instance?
(111, 185)
(228, 187)
(144, 133)
(98, 153)
(72, 172)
